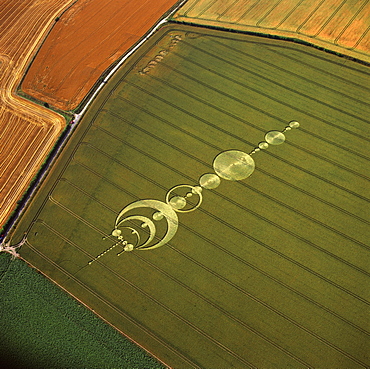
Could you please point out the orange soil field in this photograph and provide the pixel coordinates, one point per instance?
(88, 38)
(339, 25)
(27, 131)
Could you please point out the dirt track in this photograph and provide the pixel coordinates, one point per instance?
(27, 131)
(89, 37)
(338, 25)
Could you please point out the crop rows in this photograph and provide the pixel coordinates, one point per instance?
(268, 272)
(337, 25)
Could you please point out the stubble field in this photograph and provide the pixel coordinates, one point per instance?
(339, 25)
(85, 41)
(27, 131)
(269, 272)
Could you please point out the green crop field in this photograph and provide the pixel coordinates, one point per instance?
(271, 271)
(42, 327)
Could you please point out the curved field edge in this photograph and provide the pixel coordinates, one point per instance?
(65, 88)
(101, 97)
(42, 326)
(23, 125)
(301, 40)
(61, 140)
(330, 25)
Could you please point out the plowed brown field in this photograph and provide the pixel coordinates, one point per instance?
(27, 131)
(339, 25)
(89, 37)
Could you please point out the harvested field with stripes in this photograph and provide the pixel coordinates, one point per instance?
(27, 131)
(271, 271)
(339, 25)
(85, 41)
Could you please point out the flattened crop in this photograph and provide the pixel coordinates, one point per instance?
(271, 271)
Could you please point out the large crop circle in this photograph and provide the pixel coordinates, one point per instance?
(233, 165)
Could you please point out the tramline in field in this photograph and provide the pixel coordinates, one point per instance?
(232, 165)
(268, 272)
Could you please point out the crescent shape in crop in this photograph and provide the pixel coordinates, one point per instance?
(168, 213)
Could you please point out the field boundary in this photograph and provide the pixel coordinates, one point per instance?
(51, 230)
(286, 236)
(93, 82)
(276, 37)
(18, 88)
(77, 115)
(40, 126)
(111, 70)
(92, 310)
(266, 19)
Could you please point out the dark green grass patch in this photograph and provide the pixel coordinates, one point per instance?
(42, 327)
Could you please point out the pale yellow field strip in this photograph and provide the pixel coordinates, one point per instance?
(338, 25)
(27, 131)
